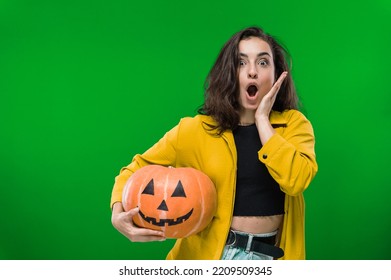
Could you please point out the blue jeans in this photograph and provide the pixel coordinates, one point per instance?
(235, 253)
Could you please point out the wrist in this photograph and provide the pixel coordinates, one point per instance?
(262, 119)
(265, 128)
(117, 207)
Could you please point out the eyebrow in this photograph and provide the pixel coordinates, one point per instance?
(258, 55)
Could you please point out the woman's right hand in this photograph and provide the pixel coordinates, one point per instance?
(123, 222)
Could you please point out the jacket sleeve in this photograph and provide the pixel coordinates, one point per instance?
(162, 153)
(290, 155)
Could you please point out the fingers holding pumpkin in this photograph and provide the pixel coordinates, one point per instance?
(123, 222)
(137, 234)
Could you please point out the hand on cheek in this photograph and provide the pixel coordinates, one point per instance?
(268, 100)
(264, 127)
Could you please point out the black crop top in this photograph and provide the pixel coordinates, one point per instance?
(257, 193)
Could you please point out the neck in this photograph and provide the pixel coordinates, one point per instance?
(247, 118)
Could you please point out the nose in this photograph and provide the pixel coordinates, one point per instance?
(163, 206)
(252, 73)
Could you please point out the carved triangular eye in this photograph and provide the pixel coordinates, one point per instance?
(149, 189)
(179, 191)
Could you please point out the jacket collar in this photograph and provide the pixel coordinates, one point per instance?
(276, 118)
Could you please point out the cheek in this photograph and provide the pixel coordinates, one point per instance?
(242, 76)
(242, 85)
(267, 81)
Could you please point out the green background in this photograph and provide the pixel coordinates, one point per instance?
(86, 84)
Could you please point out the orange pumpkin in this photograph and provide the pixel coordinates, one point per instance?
(178, 201)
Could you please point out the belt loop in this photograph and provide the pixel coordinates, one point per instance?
(249, 241)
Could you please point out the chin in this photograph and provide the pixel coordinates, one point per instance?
(250, 107)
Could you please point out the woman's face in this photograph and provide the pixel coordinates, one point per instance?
(256, 73)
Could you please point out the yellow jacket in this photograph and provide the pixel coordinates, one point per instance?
(289, 156)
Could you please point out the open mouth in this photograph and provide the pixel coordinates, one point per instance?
(252, 90)
(169, 222)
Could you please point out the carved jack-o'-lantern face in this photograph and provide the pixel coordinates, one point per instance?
(178, 201)
(178, 192)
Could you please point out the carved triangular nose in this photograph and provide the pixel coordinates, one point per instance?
(163, 206)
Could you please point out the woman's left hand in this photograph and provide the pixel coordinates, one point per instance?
(268, 100)
(262, 113)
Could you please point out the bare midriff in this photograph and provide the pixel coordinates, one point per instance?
(257, 224)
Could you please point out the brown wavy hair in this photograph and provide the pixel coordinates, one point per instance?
(222, 83)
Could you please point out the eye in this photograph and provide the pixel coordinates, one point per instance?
(179, 191)
(263, 62)
(150, 188)
(242, 63)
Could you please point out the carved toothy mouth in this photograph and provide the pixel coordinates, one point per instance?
(169, 222)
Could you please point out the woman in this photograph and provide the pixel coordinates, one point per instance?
(256, 147)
